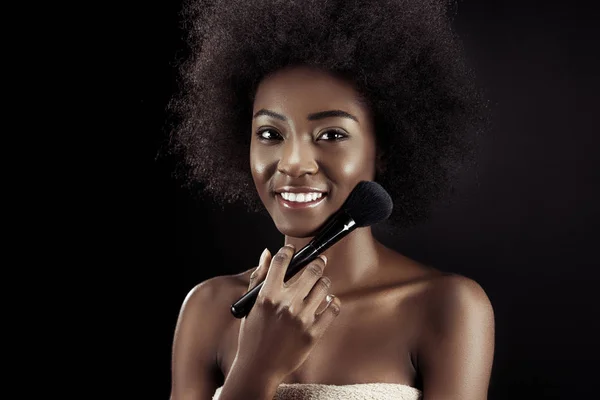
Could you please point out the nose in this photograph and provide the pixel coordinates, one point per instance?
(297, 158)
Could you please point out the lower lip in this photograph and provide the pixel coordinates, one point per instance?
(298, 206)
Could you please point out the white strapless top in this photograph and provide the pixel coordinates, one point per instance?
(359, 391)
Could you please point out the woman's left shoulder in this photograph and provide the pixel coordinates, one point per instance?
(438, 292)
(435, 284)
(449, 287)
(452, 298)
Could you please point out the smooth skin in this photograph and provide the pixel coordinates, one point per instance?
(393, 320)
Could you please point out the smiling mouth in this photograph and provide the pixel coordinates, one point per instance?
(299, 204)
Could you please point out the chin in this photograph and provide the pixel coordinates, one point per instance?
(297, 226)
(300, 232)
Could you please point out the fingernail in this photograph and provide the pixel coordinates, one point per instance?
(262, 257)
(291, 246)
(324, 258)
(329, 298)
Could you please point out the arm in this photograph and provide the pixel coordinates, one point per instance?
(195, 371)
(240, 385)
(194, 368)
(456, 351)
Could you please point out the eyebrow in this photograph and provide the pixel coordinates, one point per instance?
(311, 117)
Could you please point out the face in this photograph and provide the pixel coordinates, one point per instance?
(312, 142)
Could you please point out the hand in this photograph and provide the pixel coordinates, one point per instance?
(282, 328)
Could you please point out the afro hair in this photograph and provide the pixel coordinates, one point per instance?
(402, 56)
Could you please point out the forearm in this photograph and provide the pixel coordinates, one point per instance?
(242, 384)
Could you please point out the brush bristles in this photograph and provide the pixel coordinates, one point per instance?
(368, 204)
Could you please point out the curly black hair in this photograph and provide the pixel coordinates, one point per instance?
(402, 56)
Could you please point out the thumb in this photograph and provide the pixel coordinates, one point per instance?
(260, 272)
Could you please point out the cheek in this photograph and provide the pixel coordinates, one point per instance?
(259, 165)
(357, 164)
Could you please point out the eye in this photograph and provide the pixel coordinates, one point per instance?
(268, 135)
(333, 136)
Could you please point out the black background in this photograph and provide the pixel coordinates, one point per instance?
(527, 232)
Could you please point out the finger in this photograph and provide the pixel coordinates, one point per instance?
(326, 317)
(261, 271)
(309, 279)
(277, 268)
(326, 302)
(298, 275)
(315, 298)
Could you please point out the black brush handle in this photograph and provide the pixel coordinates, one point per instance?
(330, 234)
(242, 307)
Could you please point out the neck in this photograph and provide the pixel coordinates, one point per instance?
(351, 262)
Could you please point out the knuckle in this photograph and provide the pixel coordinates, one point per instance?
(335, 306)
(266, 302)
(287, 311)
(307, 321)
(319, 261)
(280, 258)
(325, 282)
(255, 274)
(316, 269)
(308, 337)
(287, 250)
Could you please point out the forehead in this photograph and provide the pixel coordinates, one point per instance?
(305, 89)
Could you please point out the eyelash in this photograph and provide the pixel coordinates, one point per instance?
(343, 135)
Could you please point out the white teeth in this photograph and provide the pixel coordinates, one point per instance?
(301, 197)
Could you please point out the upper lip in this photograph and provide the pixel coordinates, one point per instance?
(299, 189)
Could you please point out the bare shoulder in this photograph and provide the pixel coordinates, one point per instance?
(443, 298)
(200, 311)
(217, 291)
(206, 308)
(455, 348)
(453, 303)
(454, 292)
(203, 318)
(436, 287)
(452, 329)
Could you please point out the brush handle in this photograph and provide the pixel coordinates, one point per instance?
(242, 307)
(338, 227)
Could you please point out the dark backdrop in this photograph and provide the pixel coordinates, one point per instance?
(527, 233)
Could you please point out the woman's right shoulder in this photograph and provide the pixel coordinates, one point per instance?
(204, 320)
(217, 291)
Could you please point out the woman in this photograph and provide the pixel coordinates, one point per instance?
(318, 96)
